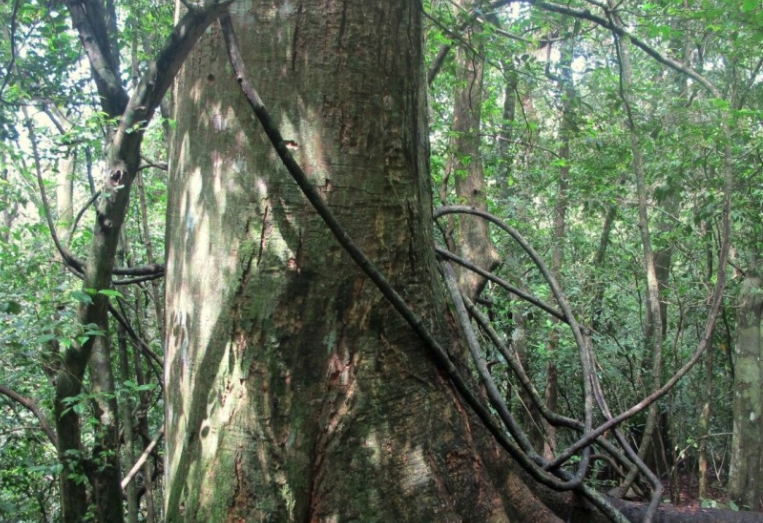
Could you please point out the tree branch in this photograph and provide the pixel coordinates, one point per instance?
(585, 14)
(89, 19)
(122, 163)
(11, 65)
(34, 409)
(494, 396)
(472, 15)
(586, 359)
(142, 459)
(152, 356)
(146, 272)
(162, 71)
(446, 254)
(76, 265)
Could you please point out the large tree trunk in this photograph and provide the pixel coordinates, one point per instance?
(294, 391)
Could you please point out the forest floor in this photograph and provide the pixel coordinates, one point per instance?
(686, 492)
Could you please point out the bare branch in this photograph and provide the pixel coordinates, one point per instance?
(516, 366)
(154, 270)
(503, 283)
(11, 65)
(149, 164)
(586, 359)
(34, 409)
(643, 404)
(162, 71)
(142, 459)
(138, 340)
(89, 19)
(494, 396)
(139, 279)
(123, 162)
(76, 265)
(585, 14)
(90, 202)
(472, 16)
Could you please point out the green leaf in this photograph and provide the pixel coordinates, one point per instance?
(110, 293)
(45, 338)
(92, 329)
(560, 162)
(11, 307)
(82, 297)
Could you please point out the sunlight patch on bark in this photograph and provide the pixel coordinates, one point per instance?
(372, 443)
(223, 403)
(418, 473)
(311, 154)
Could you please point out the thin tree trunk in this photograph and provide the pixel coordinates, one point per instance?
(148, 468)
(137, 296)
(527, 412)
(746, 465)
(599, 263)
(704, 425)
(709, 371)
(506, 137)
(96, 26)
(156, 295)
(560, 233)
(131, 492)
(64, 192)
(107, 494)
(9, 211)
(465, 167)
(653, 329)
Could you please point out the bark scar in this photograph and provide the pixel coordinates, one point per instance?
(239, 494)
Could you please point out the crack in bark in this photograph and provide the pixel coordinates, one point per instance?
(295, 39)
(263, 235)
(240, 495)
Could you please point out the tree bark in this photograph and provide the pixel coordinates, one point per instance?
(465, 166)
(131, 492)
(746, 466)
(294, 392)
(64, 190)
